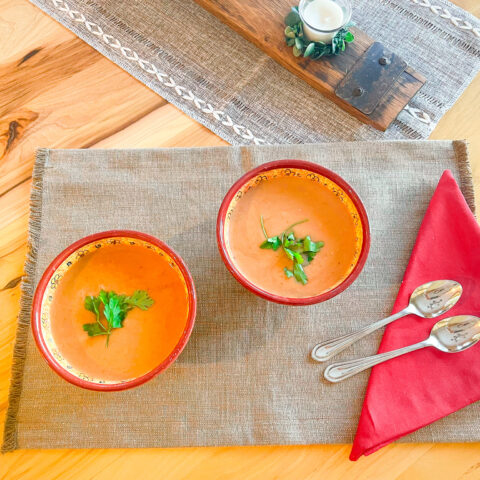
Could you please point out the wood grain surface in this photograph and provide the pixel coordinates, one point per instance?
(262, 23)
(56, 91)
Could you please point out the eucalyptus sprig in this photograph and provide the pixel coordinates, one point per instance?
(295, 38)
(300, 250)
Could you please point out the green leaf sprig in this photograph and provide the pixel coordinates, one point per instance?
(115, 309)
(295, 38)
(300, 250)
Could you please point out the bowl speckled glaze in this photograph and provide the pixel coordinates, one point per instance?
(315, 173)
(52, 276)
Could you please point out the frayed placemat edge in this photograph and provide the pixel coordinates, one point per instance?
(466, 179)
(28, 285)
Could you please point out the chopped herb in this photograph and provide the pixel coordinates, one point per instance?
(301, 251)
(93, 305)
(288, 272)
(299, 273)
(94, 329)
(263, 227)
(273, 243)
(115, 309)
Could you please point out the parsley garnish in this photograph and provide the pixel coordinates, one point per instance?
(115, 309)
(300, 250)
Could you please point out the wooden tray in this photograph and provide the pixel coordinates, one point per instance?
(262, 23)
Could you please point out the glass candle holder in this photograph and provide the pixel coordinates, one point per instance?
(322, 19)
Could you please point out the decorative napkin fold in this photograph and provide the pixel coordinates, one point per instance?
(414, 390)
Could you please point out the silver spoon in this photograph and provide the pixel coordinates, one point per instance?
(428, 301)
(450, 335)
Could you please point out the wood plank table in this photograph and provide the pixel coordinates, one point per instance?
(55, 91)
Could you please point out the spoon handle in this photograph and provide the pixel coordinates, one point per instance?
(340, 371)
(328, 349)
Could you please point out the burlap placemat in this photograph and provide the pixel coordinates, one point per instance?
(221, 80)
(245, 376)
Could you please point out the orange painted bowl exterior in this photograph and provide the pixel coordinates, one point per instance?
(51, 277)
(315, 173)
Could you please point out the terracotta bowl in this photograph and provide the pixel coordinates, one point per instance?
(53, 275)
(315, 173)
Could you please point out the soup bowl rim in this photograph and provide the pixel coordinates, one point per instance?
(47, 276)
(301, 165)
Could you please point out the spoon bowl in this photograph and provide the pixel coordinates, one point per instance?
(434, 298)
(455, 334)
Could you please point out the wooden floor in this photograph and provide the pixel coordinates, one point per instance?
(56, 91)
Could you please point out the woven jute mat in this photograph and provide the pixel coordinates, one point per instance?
(245, 377)
(221, 80)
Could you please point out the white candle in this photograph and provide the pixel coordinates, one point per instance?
(321, 20)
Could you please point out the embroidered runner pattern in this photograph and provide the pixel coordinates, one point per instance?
(151, 68)
(444, 13)
(263, 104)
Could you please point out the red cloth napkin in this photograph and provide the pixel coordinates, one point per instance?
(414, 390)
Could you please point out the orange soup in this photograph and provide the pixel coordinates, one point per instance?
(147, 337)
(283, 197)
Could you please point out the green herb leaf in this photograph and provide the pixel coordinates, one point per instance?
(288, 252)
(273, 243)
(262, 224)
(299, 274)
(301, 251)
(115, 309)
(297, 246)
(94, 329)
(308, 245)
(288, 272)
(104, 296)
(293, 255)
(288, 240)
(92, 304)
(114, 313)
(140, 299)
(349, 37)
